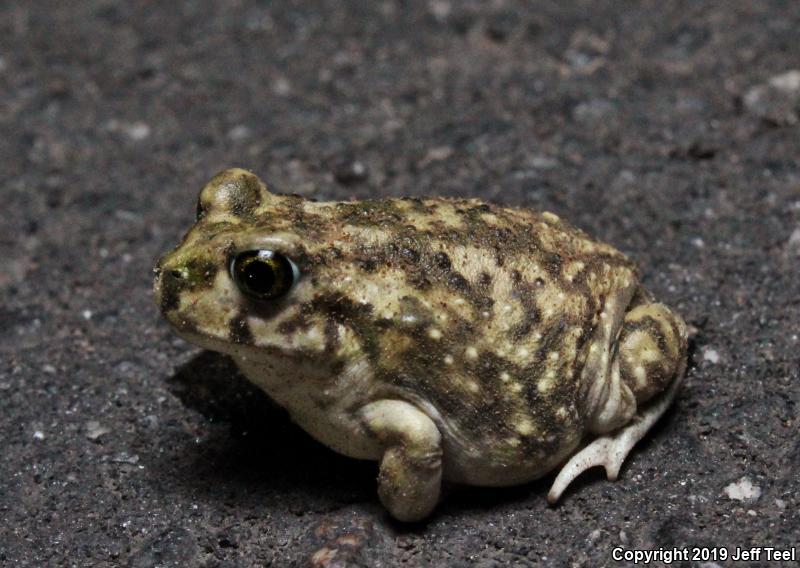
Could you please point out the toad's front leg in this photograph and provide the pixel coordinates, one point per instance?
(410, 476)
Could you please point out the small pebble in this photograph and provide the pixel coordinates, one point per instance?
(137, 131)
(711, 355)
(282, 87)
(94, 430)
(38, 435)
(240, 132)
(543, 162)
(124, 457)
(350, 172)
(743, 490)
(437, 154)
(788, 82)
(793, 246)
(778, 100)
(440, 9)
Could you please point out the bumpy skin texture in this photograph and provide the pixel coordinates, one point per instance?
(450, 339)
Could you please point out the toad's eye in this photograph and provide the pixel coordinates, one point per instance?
(263, 274)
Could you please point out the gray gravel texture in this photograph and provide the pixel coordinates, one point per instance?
(668, 128)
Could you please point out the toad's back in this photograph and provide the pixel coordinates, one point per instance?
(475, 311)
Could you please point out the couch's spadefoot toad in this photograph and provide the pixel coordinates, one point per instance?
(448, 339)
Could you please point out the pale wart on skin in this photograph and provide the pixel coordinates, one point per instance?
(447, 339)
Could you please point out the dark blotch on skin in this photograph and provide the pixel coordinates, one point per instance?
(529, 322)
(358, 317)
(200, 210)
(525, 292)
(458, 283)
(410, 254)
(170, 294)
(239, 330)
(343, 309)
(291, 325)
(201, 274)
(331, 336)
(418, 280)
(552, 264)
(442, 260)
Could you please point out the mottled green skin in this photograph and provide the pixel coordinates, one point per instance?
(479, 315)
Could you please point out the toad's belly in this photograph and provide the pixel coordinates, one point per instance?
(475, 453)
(489, 457)
(318, 405)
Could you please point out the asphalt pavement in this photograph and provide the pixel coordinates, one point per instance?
(670, 129)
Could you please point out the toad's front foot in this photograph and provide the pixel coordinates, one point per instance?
(410, 476)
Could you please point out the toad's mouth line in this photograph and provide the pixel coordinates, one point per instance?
(185, 328)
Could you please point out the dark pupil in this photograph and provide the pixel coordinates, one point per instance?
(259, 277)
(262, 274)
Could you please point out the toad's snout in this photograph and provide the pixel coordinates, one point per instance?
(174, 275)
(168, 282)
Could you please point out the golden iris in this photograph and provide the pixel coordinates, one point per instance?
(263, 274)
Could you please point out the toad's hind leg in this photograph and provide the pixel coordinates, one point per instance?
(648, 365)
(610, 451)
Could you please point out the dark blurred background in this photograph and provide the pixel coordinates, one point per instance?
(668, 128)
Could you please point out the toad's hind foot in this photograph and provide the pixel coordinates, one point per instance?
(611, 450)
